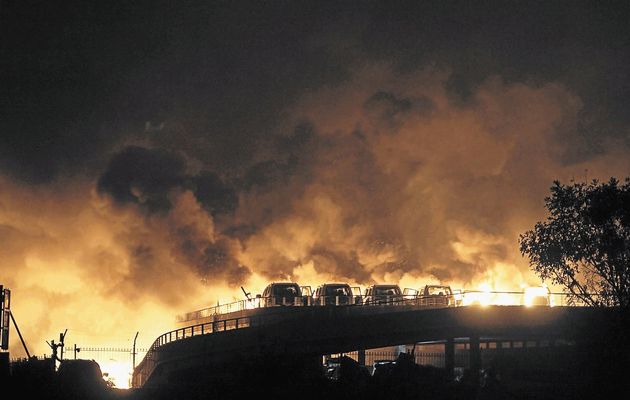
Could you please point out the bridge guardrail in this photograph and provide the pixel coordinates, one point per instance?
(466, 297)
(148, 364)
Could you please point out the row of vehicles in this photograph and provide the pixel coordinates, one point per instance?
(290, 293)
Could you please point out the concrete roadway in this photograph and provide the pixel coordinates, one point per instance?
(314, 331)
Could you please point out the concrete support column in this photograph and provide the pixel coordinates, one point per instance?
(361, 357)
(475, 358)
(449, 357)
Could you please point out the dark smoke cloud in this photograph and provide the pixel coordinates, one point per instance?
(213, 261)
(390, 189)
(214, 195)
(344, 266)
(388, 109)
(292, 154)
(143, 176)
(362, 142)
(264, 175)
(157, 182)
(80, 79)
(147, 177)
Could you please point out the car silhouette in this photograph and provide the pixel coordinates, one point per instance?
(383, 294)
(335, 294)
(282, 294)
(436, 296)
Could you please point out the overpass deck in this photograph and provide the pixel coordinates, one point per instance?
(325, 330)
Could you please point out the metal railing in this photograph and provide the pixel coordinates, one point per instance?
(466, 297)
(148, 364)
(258, 302)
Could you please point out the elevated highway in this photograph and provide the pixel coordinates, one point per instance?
(313, 331)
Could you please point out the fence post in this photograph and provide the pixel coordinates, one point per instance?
(475, 358)
(449, 357)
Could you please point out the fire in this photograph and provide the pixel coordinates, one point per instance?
(526, 296)
(536, 296)
(481, 297)
(118, 372)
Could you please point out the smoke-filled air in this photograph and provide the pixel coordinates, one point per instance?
(384, 178)
(151, 166)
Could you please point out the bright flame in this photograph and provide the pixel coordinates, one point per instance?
(253, 303)
(118, 372)
(482, 297)
(507, 299)
(538, 296)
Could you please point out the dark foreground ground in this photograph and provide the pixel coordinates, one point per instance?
(590, 373)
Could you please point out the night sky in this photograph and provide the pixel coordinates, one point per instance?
(80, 79)
(151, 152)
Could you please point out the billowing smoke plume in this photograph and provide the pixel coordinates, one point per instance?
(155, 183)
(384, 177)
(390, 176)
(154, 159)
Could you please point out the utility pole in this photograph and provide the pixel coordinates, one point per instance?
(62, 338)
(133, 354)
(5, 312)
(76, 350)
(6, 316)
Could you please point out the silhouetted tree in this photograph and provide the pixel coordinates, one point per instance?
(585, 243)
